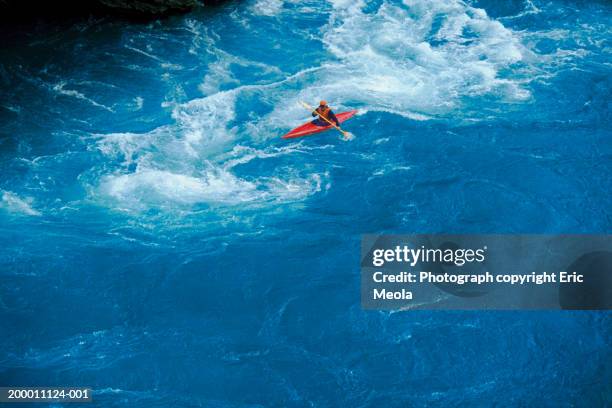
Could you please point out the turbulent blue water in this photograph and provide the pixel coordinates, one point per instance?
(162, 245)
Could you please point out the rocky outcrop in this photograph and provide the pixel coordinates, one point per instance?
(20, 10)
(148, 7)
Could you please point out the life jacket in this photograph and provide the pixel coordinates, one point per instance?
(324, 111)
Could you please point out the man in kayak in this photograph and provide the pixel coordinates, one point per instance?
(324, 111)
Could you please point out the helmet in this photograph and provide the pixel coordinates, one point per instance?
(323, 103)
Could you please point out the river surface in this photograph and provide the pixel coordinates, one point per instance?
(162, 245)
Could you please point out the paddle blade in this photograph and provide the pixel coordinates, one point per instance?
(348, 136)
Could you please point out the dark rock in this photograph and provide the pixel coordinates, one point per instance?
(19, 10)
(148, 7)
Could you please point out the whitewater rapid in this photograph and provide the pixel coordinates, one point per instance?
(420, 60)
(151, 216)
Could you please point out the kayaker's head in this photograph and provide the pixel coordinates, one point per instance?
(323, 103)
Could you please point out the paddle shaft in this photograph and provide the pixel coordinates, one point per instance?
(307, 106)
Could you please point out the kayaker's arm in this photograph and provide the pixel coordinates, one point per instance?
(333, 118)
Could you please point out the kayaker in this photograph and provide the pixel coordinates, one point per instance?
(326, 112)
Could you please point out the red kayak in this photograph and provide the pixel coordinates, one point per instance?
(309, 129)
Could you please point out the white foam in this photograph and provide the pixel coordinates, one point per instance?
(348, 136)
(529, 9)
(418, 59)
(219, 73)
(267, 7)
(165, 186)
(201, 129)
(138, 103)
(145, 53)
(189, 163)
(148, 188)
(204, 122)
(60, 88)
(244, 154)
(13, 203)
(398, 60)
